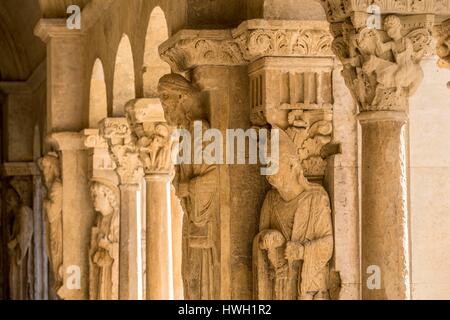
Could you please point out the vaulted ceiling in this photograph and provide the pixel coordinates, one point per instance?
(20, 50)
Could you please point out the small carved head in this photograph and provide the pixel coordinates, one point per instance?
(393, 27)
(289, 180)
(12, 199)
(49, 165)
(104, 199)
(180, 100)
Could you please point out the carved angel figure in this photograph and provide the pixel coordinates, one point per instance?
(104, 249)
(292, 250)
(196, 186)
(404, 71)
(50, 167)
(19, 247)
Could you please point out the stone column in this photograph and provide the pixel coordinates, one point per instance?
(77, 215)
(129, 169)
(381, 83)
(153, 140)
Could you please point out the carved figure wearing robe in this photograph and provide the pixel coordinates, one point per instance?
(196, 186)
(293, 248)
(104, 248)
(50, 167)
(20, 249)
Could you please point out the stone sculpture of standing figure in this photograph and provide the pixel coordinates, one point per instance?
(20, 248)
(50, 167)
(196, 186)
(104, 249)
(293, 248)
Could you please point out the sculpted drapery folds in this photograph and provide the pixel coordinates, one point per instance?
(293, 248)
(51, 170)
(19, 247)
(381, 67)
(104, 248)
(196, 186)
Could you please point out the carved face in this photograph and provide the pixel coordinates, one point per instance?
(12, 200)
(176, 110)
(100, 200)
(394, 32)
(286, 179)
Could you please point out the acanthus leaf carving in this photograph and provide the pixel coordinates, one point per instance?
(123, 151)
(250, 41)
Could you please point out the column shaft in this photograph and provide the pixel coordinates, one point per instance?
(384, 204)
(129, 269)
(159, 272)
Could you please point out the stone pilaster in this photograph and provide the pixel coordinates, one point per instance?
(153, 140)
(65, 75)
(382, 70)
(117, 134)
(77, 215)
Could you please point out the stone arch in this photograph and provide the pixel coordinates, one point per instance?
(154, 67)
(98, 103)
(124, 81)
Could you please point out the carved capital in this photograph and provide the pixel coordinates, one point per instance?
(264, 38)
(382, 67)
(98, 149)
(252, 40)
(191, 48)
(151, 135)
(122, 149)
(443, 45)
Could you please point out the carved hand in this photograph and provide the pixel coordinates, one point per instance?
(294, 251)
(104, 244)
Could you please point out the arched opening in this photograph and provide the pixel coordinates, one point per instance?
(98, 106)
(154, 67)
(124, 83)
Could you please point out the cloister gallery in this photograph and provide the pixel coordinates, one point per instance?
(93, 206)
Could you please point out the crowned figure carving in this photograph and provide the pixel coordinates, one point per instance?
(196, 186)
(292, 251)
(104, 248)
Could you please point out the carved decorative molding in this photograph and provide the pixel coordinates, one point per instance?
(340, 10)
(151, 135)
(122, 149)
(99, 150)
(252, 40)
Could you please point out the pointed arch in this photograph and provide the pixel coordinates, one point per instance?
(154, 67)
(124, 80)
(98, 105)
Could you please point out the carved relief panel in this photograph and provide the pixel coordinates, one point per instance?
(295, 94)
